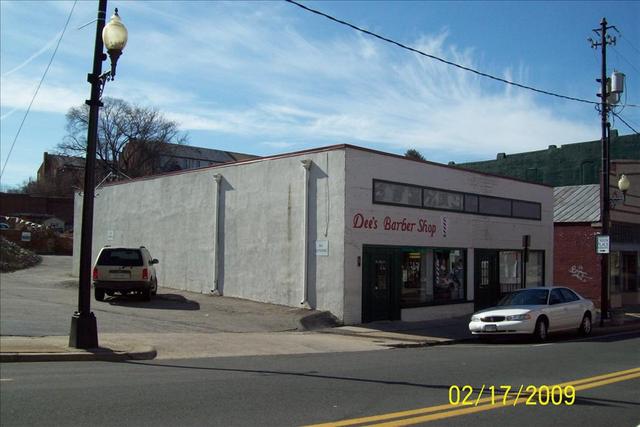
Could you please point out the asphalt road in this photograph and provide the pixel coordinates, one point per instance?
(40, 301)
(318, 388)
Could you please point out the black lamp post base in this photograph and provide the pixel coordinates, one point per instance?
(84, 331)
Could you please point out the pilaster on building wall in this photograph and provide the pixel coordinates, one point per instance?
(576, 263)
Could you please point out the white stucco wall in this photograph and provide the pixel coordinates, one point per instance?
(260, 223)
(464, 231)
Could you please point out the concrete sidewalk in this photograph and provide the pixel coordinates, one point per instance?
(372, 336)
(115, 347)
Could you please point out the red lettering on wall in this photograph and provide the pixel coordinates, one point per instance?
(359, 221)
(392, 224)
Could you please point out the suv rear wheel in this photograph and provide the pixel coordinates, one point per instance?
(99, 294)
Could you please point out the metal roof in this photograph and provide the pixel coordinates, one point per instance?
(576, 203)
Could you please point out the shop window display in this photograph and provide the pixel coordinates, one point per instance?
(510, 271)
(535, 269)
(432, 276)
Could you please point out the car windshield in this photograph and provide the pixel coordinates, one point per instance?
(526, 297)
(123, 257)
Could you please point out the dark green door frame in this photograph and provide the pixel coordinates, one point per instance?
(381, 283)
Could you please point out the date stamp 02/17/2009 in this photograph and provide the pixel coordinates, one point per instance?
(507, 395)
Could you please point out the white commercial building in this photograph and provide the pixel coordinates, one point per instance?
(363, 234)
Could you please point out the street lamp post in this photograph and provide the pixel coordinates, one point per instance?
(84, 331)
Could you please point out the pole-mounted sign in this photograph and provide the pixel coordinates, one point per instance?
(602, 244)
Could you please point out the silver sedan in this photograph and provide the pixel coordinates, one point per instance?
(535, 311)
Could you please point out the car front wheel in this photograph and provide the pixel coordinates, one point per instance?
(541, 331)
(585, 325)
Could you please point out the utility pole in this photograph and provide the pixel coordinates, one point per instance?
(605, 39)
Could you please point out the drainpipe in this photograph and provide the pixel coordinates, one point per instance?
(215, 291)
(306, 164)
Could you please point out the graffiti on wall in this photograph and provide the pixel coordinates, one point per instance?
(578, 272)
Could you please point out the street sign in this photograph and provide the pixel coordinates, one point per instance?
(602, 244)
(322, 248)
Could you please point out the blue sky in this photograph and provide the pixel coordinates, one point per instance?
(268, 77)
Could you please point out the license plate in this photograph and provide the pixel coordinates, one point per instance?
(119, 274)
(490, 328)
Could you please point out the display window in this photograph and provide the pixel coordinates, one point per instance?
(510, 263)
(535, 269)
(433, 276)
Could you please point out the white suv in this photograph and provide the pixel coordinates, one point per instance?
(125, 270)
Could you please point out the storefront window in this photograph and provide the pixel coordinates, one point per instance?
(630, 271)
(510, 271)
(432, 276)
(414, 288)
(449, 273)
(624, 271)
(535, 269)
(401, 194)
(440, 199)
(614, 271)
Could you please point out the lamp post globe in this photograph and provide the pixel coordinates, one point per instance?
(114, 37)
(623, 183)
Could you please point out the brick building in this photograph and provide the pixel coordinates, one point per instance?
(569, 164)
(60, 175)
(38, 209)
(142, 158)
(574, 171)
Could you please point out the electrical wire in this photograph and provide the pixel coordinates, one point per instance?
(625, 59)
(453, 64)
(626, 41)
(66, 24)
(628, 125)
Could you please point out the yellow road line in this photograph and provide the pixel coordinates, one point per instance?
(471, 410)
(420, 411)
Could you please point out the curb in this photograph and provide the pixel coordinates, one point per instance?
(104, 355)
(404, 342)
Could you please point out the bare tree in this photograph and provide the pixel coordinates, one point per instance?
(54, 188)
(144, 131)
(414, 154)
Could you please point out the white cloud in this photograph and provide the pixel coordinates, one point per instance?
(382, 97)
(253, 71)
(35, 55)
(17, 92)
(278, 144)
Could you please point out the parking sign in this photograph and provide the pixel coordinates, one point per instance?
(602, 244)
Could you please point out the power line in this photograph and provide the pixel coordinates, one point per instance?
(625, 59)
(626, 41)
(453, 64)
(462, 67)
(622, 120)
(38, 88)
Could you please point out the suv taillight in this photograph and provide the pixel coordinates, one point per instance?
(95, 273)
(145, 273)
